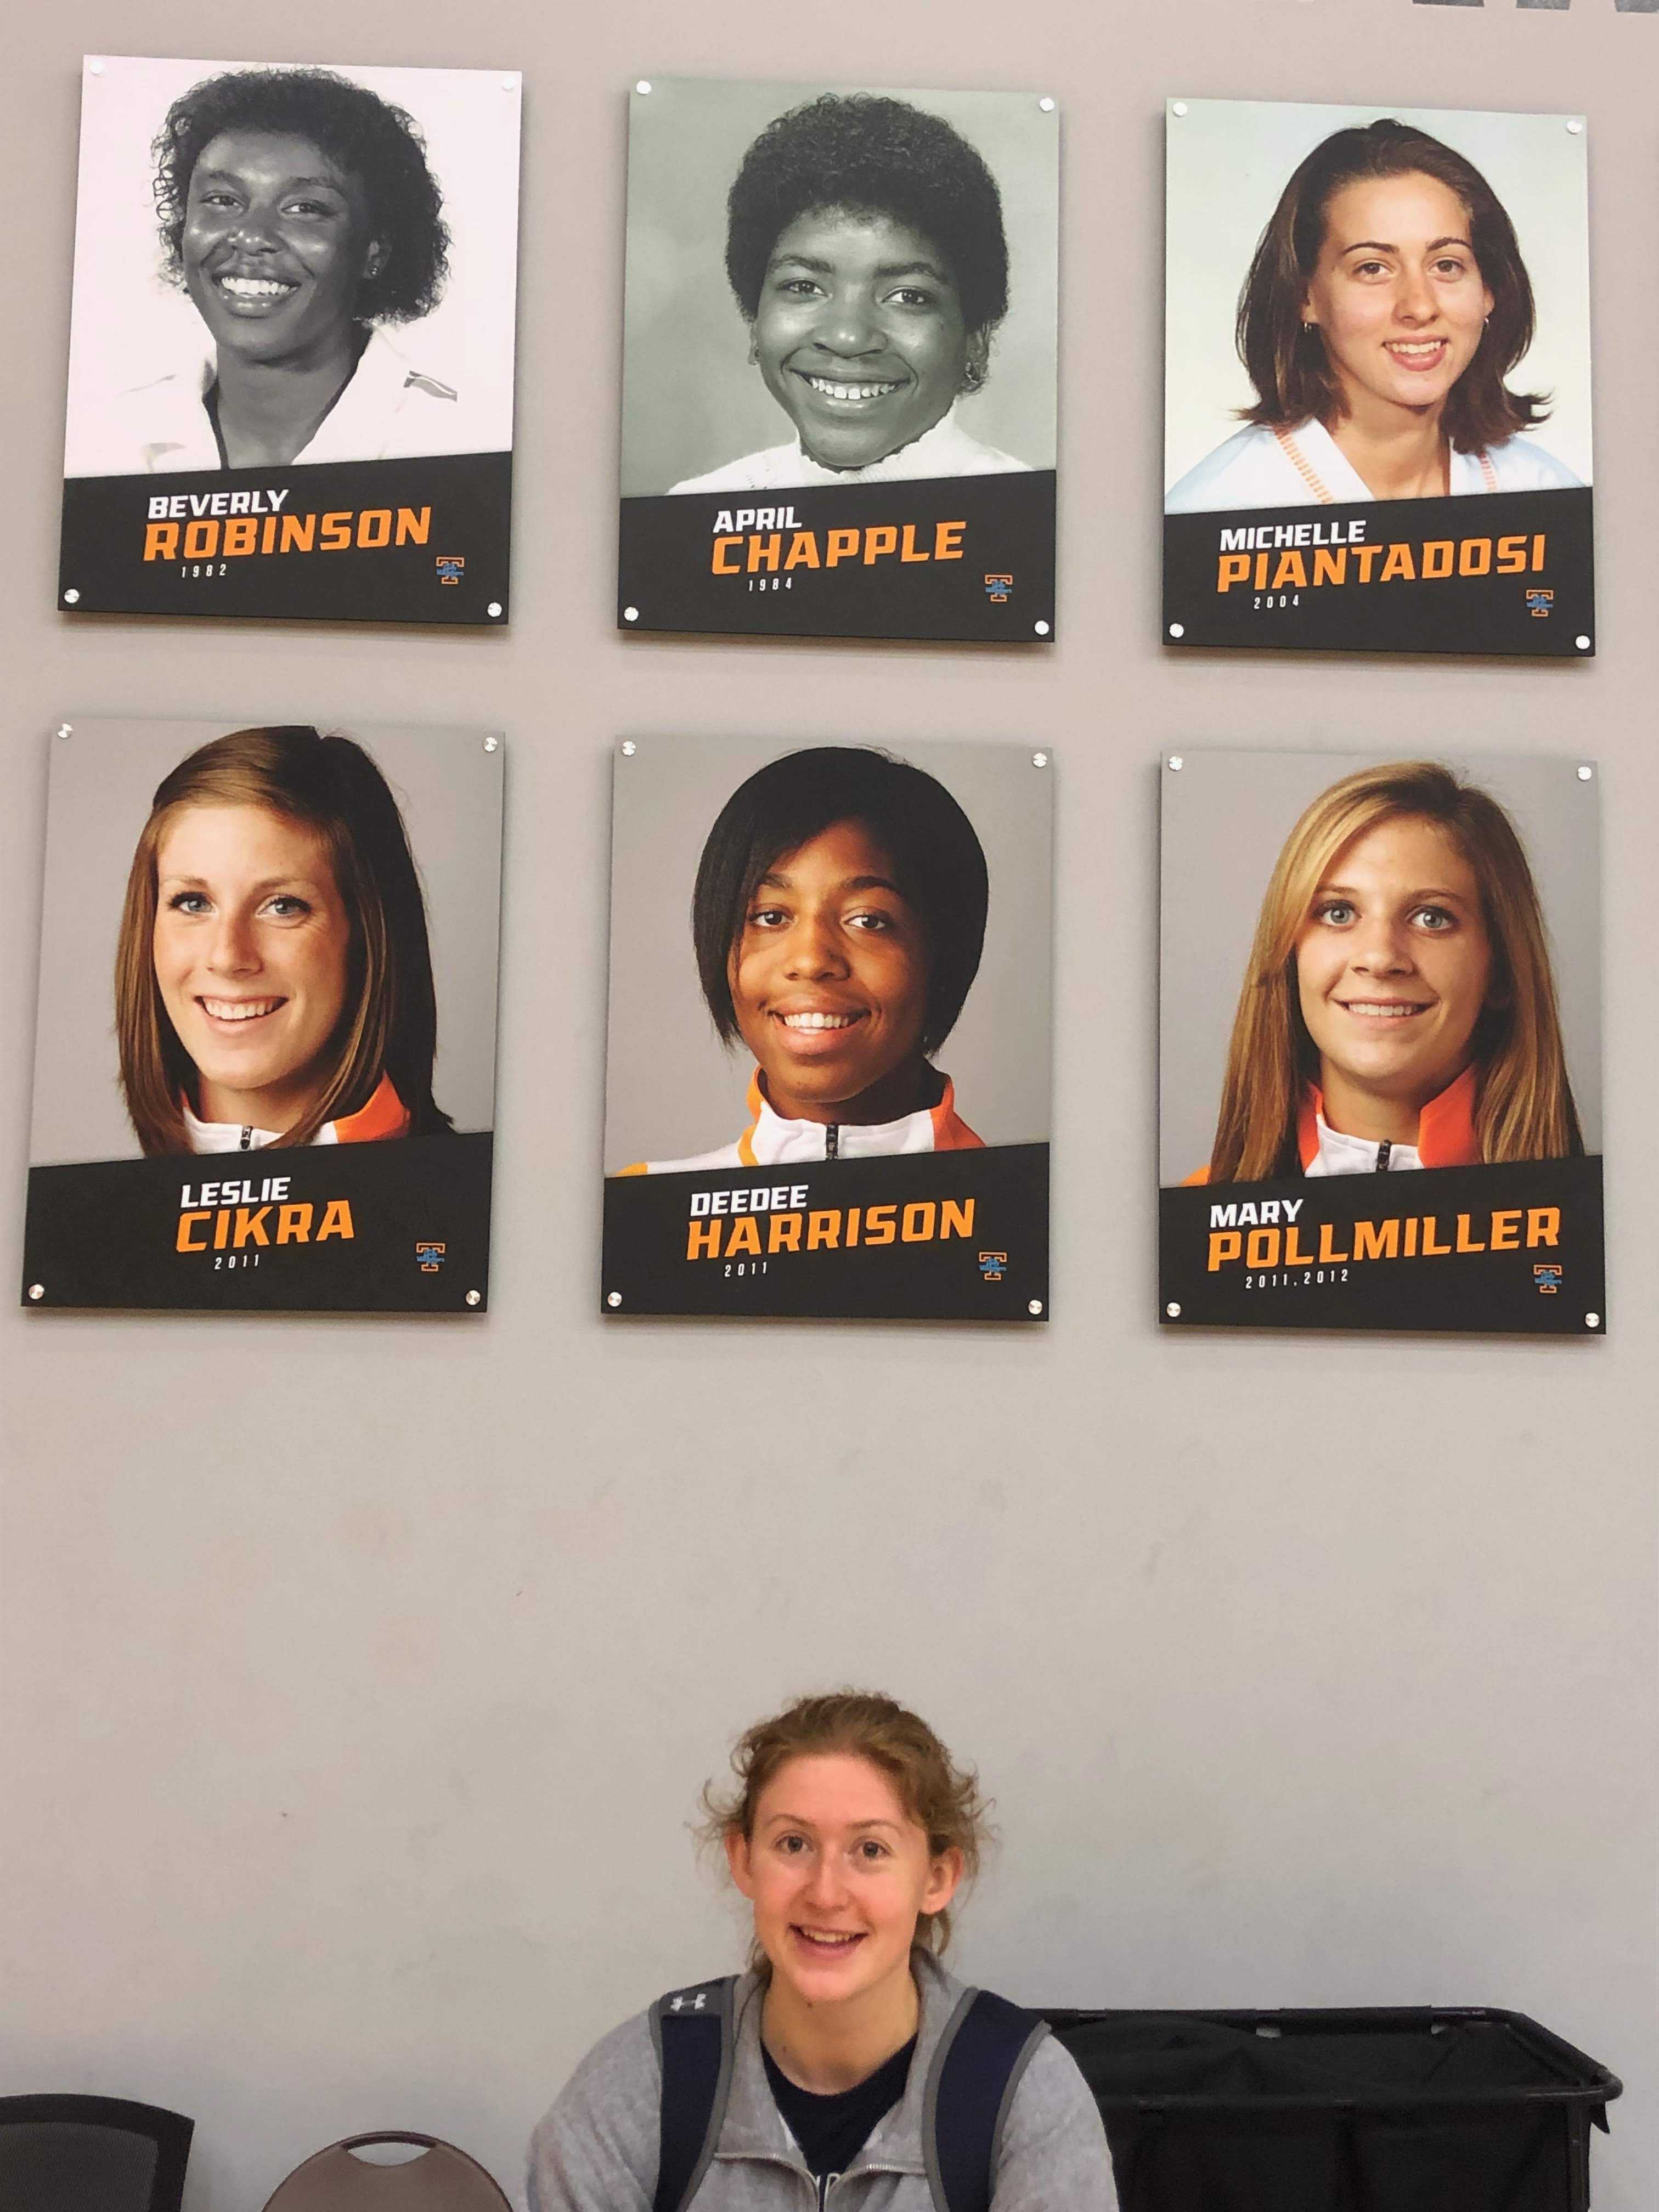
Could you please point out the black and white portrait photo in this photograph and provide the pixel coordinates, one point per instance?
(837, 291)
(286, 269)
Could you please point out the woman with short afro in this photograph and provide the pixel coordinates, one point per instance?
(865, 246)
(298, 215)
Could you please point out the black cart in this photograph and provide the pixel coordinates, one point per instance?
(1461, 2110)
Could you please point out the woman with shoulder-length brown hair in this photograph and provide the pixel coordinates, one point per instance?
(273, 980)
(1387, 304)
(1398, 1008)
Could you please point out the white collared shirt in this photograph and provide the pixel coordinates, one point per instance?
(1254, 468)
(236, 1137)
(389, 410)
(774, 1142)
(1339, 1155)
(946, 450)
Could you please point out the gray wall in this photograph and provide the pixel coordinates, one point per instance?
(357, 1680)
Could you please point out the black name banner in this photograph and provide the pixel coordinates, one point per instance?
(1500, 571)
(421, 541)
(966, 558)
(400, 1227)
(917, 1237)
(1515, 1249)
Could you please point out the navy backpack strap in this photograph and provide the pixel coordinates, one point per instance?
(987, 2045)
(692, 2031)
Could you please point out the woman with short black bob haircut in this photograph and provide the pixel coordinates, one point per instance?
(273, 979)
(866, 250)
(838, 919)
(1386, 306)
(298, 212)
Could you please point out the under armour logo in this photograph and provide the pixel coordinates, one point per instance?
(689, 2004)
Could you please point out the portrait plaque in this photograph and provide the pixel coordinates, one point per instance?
(266, 1049)
(1376, 380)
(1380, 1069)
(290, 383)
(839, 363)
(829, 1095)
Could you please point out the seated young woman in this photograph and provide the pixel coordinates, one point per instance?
(849, 1831)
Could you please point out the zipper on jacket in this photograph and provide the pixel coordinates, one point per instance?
(247, 1144)
(1383, 1151)
(832, 1142)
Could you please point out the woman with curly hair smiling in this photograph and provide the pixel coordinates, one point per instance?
(864, 245)
(298, 213)
(846, 2067)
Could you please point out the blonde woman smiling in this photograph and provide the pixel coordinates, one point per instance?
(1398, 1008)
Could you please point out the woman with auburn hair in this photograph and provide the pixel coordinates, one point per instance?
(1386, 303)
(819, 2076)
(273, 980)
(1398, 1008)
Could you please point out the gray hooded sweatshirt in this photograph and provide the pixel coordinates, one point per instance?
(596, 2150)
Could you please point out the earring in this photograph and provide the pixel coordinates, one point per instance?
(973, 376)
(1307, 325)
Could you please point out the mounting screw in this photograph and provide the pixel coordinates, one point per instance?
(492, 744)
(630, 613)
(1582, 642)
(96, 67)
(475, 1298)
(613, 1297)
(64, 729)
(37, 1291)
(1035, 1306)
(1175, 761)
(1041, 629)
(1575, 126)
(71, 598)
(1046, 106)
(1178, 107)
(1591, 1320)
(1177, 630)
(1585, 772)
(1173, 1310)
(628, 748)
(509, 84)
(644, 85)
(494, 610)
(1039, 760)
